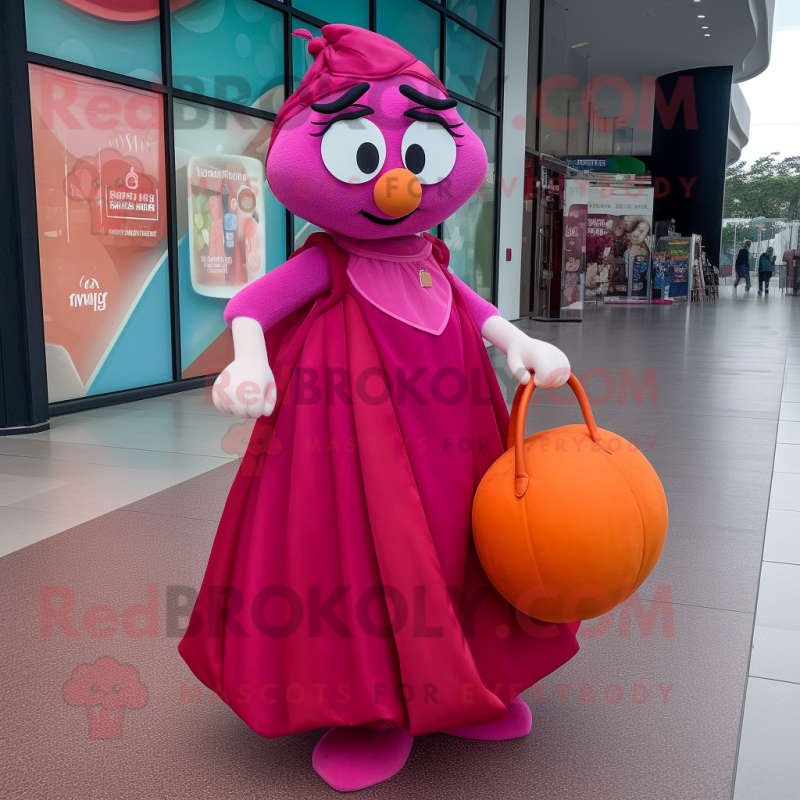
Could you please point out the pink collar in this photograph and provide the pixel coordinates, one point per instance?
(386, 272)
(402, 249)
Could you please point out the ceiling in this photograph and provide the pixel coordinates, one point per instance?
(636, 38)
(631, 38)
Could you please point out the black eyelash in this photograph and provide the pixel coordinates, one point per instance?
(361, 111)
(425, 116)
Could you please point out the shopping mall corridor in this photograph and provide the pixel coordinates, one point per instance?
(663, 702)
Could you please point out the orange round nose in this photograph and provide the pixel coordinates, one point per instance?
(397, 192)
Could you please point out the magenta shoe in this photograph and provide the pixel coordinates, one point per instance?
(349, 759)
(515, 724)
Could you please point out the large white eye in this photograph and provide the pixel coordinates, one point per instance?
(353, 150)
(428, 151)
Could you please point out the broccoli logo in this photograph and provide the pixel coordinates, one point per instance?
(106, 688)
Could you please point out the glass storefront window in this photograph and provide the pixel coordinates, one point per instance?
(101, 35)
(100, 169)
(301, 60)
(473, 65)
(231, 230)
(351, 12)
(483, 14)
(101, 203)
(230, 50)
(559, 61)
(413, 25)
(302, 230)
(469, 233)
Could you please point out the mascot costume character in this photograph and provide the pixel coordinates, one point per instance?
(344, 590)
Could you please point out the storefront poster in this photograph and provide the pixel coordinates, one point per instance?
(574, 248)
(620, 221)
(231, 229)
(101, 206)
(226, 223)
(671, 267)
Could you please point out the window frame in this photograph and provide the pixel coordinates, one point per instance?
(169, 93)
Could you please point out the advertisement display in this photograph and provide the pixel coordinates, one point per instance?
(574, 248)
(672, 265)
(231, 229)
(226, 244)
(101, 206)
(618, 256)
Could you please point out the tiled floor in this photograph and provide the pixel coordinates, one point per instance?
(94, 462)
(706, 392)
(768, 764)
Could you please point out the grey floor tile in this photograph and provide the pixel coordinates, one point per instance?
(787, 458)
(782, 542)
(789, 432)
(82, 472)
(105, 454)
(200, 498)
(83, 499)
(715, 406)
(779, 596)
(776, 654)
(791, 393)
(16, 487)
(790, 411)
(20, 527)
(785, 493)
(688, 478)
(702, 451)
(709, 428)
(740, 391)
(768, 767)
(694, 511)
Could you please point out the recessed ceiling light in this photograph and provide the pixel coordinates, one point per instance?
(705, 27)
(582, 44)
(706, 34)
(701, 16)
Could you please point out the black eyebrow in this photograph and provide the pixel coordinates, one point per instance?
(424, 100)
(341, 103)
(424, 116)
(358, 112)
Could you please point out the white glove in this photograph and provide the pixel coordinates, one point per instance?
(550, 366)
(246, 387)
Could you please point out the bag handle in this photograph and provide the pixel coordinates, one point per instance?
(516, 428)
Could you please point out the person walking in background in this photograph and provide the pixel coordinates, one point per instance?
(743, 266)
(765, 265)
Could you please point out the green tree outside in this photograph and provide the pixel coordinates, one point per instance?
(767, 188)
(764, 195)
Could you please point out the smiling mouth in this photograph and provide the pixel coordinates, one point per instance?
(382, 221)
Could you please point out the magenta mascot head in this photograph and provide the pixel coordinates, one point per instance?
(370, 145)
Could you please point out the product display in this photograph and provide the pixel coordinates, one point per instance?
(344, 589)
(227, 224)
(673, 260)
(574, 248)
(618, 241)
